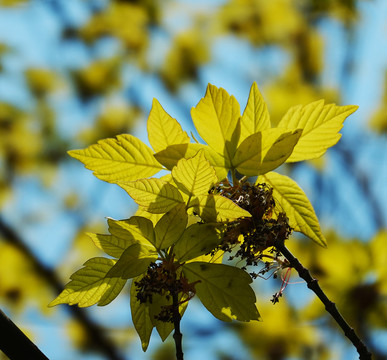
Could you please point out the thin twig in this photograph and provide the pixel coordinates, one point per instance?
(330, 306)
(177, 336)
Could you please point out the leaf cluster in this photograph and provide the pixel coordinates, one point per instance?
(205, 206)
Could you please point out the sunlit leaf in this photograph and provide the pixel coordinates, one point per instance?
(217, 208)
(265, 151)
(171, 226)
(123, 159)
(255, 116)
(198, 239)
(163, 130)
(134, 261)
(194, 176)
(173, 153)
(223, 290)
(155, 195)
(321, 125)
(110, 244)
(217, 120)
(137, 229)
(293, 201)
(140, 316)
(90, 285)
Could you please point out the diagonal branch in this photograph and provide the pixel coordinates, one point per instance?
(94, 331)
(330, 306)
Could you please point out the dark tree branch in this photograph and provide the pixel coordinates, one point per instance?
(95, 333)
(15, 344)
(177, 336)
(330, 306)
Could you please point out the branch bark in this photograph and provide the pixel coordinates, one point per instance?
(330, 306)
(177, 335)
(15, 344)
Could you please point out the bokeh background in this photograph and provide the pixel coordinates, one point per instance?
(76, 71)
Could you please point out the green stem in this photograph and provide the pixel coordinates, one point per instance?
(234, 178)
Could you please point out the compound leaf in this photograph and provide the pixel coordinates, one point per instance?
(265, 151)
(140, 316)
(198, 239)
(321, 125)
(134, 261)
(255, 116)
(163, 130)
(194, 176)
(110, 244)
(296, 205)
(171, 226)
(224, 290)
(125, 158)
(217, 120)
(217, 208)
(155, 195)
(90, 285)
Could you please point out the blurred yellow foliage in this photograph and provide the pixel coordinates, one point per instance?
(126, 21)
(189, 51)
(41, 81)
(98, 78)
(19, 283)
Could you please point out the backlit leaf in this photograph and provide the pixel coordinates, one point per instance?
(123, 159)
(163, 130)
(140, 316)
(217, 208)
(194, 176)
(295, 204)
(155, 195)
(321, 125)
(217, 120)
(171, 226)
(137, 229)
(198, 239)
(134, 261)
(110, 244)
(173, 153)
(265, 151)
(224, 290)
(255, 116)
(89, 285)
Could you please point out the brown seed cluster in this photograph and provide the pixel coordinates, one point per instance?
(261, 230)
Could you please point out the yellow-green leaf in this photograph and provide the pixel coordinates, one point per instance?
(110, 244)
(223, 290)
(163, 130)
(265, 151)
(173, 153)
(123, 159)
(194, 176)
(155, 195)
(171, 226)
(321, 125)
(213, 208)
(134, 261)
(89, 285)
(198, 239)
(140, 316)
(137, 229)
(295, 204)
(217, 120)
(255, 116)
